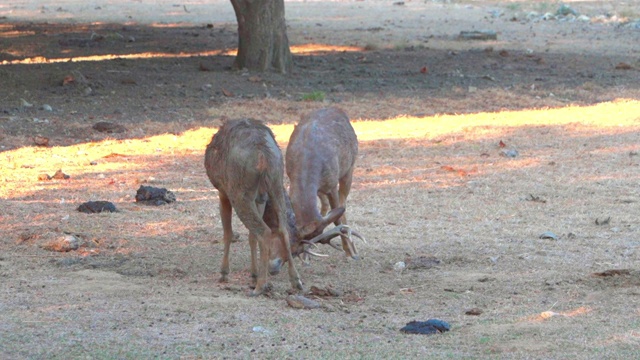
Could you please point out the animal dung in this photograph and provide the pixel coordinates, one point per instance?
(149, 195)
(431, 326)
(92, 207)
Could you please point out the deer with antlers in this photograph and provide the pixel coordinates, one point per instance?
(320, 160)
(243, 161)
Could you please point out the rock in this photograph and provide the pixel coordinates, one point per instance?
(548, 16)
(92, 207)
(566, 10)
(478, 35)
(548, 235)
(65, 244)
(25, 103)
(512, 153)
(474, 312)
(431, 326)
(399, 266)
(623, 66)
(328, 292)
(154, 196)
(41, 140)
(301, 302)
(108, 127)
(59, 175)
(46, 107)
(583, 18)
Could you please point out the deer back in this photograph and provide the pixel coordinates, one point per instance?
(243, 156)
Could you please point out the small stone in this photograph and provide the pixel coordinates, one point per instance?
(25, 103)
(92, 207)
(474, 312)
(584, 18)
(40, 140)
(399, 266)
(548, 235)
(478, 35)
(59, 175)
(65, 244)
(512, 153)
(46, 107)
(565, 10)
(623, 66)
(431, 326)
(301, 302)
(108, 127)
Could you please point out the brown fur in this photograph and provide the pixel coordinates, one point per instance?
(321, 156)
(244, 162)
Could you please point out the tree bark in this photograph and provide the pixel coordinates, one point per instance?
(262, 36)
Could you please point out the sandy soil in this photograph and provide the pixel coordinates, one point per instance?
(470, 151)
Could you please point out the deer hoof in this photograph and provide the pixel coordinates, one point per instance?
(297, 285)
(223, 278)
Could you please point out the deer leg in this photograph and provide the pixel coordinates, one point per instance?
(324, 204)
(294, 276)
(345, 187)
(253, 242)
(249, 214)
(225, 216)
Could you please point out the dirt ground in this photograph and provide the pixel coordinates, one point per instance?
(503, 173)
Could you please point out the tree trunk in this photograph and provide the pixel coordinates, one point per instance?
(262, 36)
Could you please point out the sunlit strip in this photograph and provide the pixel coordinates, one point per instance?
(545, 315)
(296, 49)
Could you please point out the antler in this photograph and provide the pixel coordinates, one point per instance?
(307, 251)
(336, 231)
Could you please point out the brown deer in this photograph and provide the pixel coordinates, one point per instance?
(320, 160)
(243, 161)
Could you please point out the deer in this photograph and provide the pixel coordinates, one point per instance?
(244, 163)
(320, 160)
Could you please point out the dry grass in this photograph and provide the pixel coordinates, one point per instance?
(144, 284)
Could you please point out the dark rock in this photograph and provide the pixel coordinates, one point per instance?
(154, 196)
(431, 326)
(92, 207)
